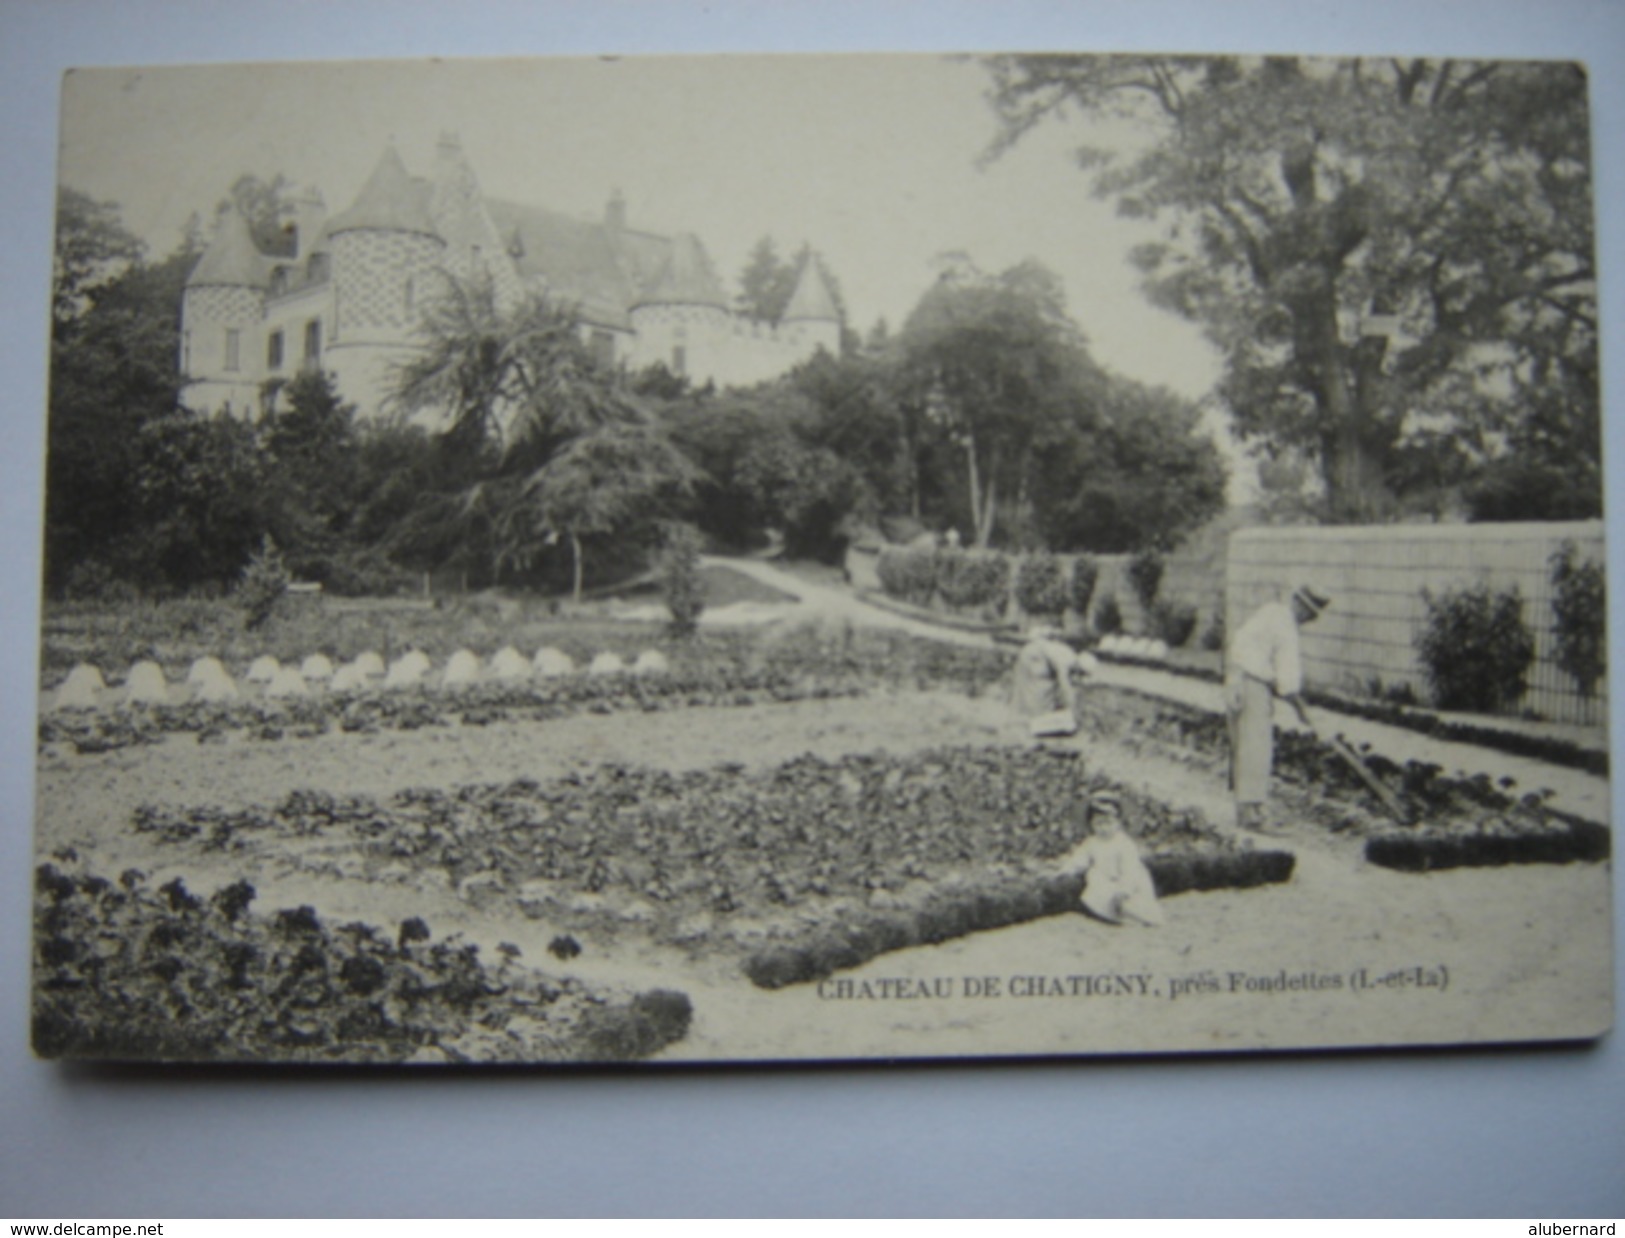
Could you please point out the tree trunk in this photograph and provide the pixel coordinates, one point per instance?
(575, 559)
(1350, 400)
(975, 488)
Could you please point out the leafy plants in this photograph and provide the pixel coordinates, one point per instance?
(1476, 649)
(680, 578)
(264, 583)
(1041, 585)
(1580, 609)
(126, 971)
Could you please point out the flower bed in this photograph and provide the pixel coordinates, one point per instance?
(125, 971)
(735, 859)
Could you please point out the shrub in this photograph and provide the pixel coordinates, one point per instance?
(908, 575)
(1475, 648)
(680, 578)
(264, 582)
(1581, 610)
(969, 579)
(1145, 576)
(1041, 586)
(1173, 622)
(1108, 616)
(1213, 634)
(1085, 571)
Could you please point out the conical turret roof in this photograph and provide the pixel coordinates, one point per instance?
(686, 278)
(390, 201)
(232, 259)
(812, 299)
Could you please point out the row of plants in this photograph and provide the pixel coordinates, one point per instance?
(1455, 815)
(1550, 749)
(124, 970)
(803, 664)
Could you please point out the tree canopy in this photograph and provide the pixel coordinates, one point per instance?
(1395, 257)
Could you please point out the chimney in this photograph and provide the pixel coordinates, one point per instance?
(309, 214)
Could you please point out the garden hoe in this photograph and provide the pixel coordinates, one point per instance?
(1395, 806)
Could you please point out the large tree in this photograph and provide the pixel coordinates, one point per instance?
(1395, 257)
(546, 443)
(992, 359)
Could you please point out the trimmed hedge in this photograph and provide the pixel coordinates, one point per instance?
(1575, 842)
(973, 578)
(1041, 585)
(959, 911)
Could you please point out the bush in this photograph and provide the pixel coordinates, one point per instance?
(1213, 634)
(1108, 616)
(1085, 571)
(1173, 622)
(1581, 610)
(680, 578)
(908, 575)
(1041, 586)
(1145, 576)
(264, 582)
(969, 579)
(1476, 649)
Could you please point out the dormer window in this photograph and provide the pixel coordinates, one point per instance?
(274, 348)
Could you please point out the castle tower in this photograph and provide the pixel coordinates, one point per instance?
(222, 309)
(385, 253)
(474, 249)
(682, 320)
(812, 320)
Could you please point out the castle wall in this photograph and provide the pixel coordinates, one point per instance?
(222, 348)
(724, 348)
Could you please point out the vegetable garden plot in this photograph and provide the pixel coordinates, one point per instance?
(1459, 820)
(125, 971)
(803, 868)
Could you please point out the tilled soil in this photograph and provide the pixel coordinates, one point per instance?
(1487, 954)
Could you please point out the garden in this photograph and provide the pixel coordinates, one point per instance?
(603, 859)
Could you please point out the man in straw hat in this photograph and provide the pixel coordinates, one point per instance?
(1262, 663)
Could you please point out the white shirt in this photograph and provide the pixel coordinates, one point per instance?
(1266, 647)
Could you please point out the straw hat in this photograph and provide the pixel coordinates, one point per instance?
(1311, 599)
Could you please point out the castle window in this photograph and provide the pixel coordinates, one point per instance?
(234, 348)
(317, 268)
(602, 346)
(679, 360)
(273, 351)
(313, 343)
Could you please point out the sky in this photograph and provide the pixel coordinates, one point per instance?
(871, 159)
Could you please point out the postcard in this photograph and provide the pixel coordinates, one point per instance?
(819, 558)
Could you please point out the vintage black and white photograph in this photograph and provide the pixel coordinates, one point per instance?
(806, 558)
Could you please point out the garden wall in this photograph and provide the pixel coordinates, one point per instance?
(1376, 576)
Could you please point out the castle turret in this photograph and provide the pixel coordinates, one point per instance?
(682, 318)
(475, 249)
(812, 314)
(385, 252)
(221, 312)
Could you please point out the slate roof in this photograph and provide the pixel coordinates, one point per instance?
(391, 199)
(812, 298)
(686, 277)
(232, 258)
